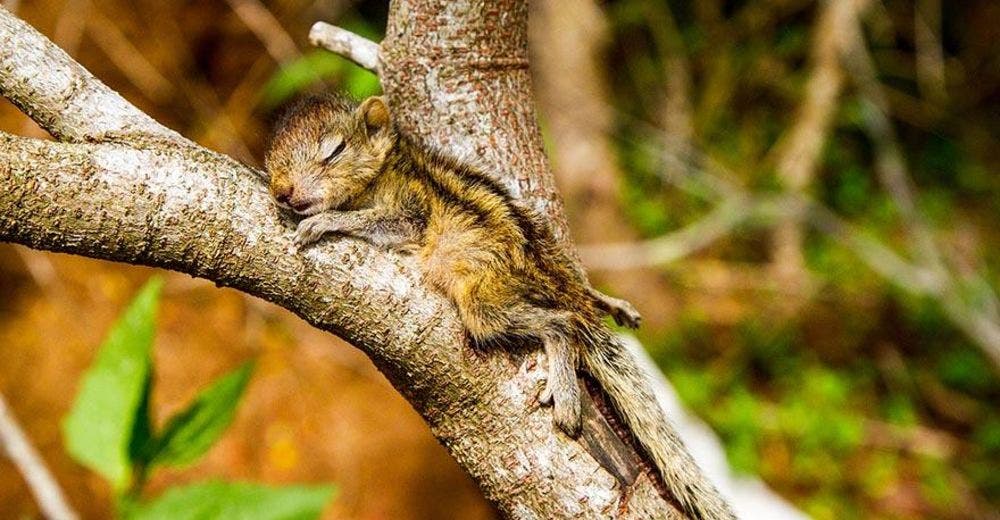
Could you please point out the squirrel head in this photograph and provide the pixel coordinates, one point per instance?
(326, 150)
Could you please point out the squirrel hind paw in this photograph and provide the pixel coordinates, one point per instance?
(566, 408)
(625, 314)
(567, 417)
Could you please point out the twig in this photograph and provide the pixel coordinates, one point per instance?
(889, 160)
(679, 244)
(238, 107)
(676, 110)
(203, 98)
(356, 48)
(67, 34)
(42, 484)
(70, 24)
(878, 257)
(715, 277)
(978, 321)
(70, 103)
(43, 272)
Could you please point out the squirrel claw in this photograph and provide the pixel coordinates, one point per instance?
(566, 408)
(622, 311)
(310, 230)
(625, 314)
(628, 317)
(566, 413)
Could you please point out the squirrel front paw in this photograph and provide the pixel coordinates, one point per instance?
(311, 229)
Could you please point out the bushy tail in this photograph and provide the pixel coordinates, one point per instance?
(622, 379)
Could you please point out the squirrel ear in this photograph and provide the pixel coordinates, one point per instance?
(375, 113)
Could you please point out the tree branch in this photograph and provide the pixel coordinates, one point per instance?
(668, 248)
(197, 212)
(127, 189)
(267, 28)
(356, 48)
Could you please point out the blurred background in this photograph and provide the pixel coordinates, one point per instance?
(801, 198)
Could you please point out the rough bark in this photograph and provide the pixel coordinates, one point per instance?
(122, 187)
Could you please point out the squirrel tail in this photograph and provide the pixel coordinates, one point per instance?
(626, 385)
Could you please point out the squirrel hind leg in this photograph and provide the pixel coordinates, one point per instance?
(561, 389)
(491, 324)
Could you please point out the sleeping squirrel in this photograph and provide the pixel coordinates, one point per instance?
(349, 171)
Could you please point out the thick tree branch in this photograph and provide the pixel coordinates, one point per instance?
(124, 188)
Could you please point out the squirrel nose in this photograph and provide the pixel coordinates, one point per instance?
(283, 194)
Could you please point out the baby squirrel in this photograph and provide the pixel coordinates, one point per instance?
(348, 170)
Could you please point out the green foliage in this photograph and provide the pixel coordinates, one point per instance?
(740, 416)
(965, 369)
(788, 416)
(235, 501)
(109, 412)
(190, 433)
(314, 66)
(828, 402)
(298, 75)
(319, 66)
(109, 430)
(986, 454)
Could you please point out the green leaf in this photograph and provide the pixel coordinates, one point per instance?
(142, 429)
(235, 501)
(189, 434)
(99, 430)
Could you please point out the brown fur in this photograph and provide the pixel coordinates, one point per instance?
(350, 172)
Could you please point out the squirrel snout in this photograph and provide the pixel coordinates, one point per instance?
(282, 194)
